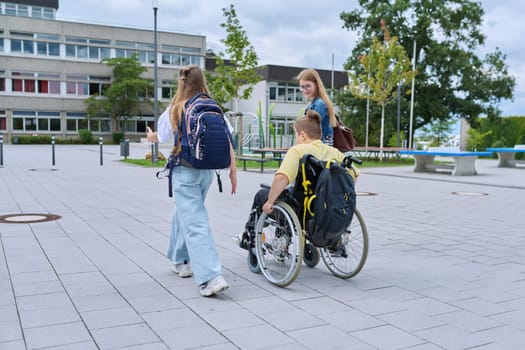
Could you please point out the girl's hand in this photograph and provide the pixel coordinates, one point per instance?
(151, 136)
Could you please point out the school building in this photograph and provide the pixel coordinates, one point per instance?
(48, 67)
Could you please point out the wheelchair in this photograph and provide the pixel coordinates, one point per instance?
(279, 243)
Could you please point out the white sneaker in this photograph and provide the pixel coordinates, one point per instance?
(183, 270)
(214, 286)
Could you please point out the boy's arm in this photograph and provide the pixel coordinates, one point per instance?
(279, 183)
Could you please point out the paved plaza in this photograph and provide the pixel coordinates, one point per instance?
(445, 270)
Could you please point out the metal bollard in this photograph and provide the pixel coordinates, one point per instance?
(1, 150)
(53, 150)
(152, 153)
(101, 142)
(155, 154)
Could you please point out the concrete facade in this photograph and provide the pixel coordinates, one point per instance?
(49, 67)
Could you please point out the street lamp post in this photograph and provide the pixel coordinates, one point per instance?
(155, 154)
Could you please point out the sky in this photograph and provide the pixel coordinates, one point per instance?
(295, 33)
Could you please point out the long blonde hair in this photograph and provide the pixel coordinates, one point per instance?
(313, 76)
(191, 82)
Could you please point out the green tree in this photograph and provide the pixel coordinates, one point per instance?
(497, 132)
(235, 76)
(125, 96)
(452, 81)
(437, 131)
(382, 70)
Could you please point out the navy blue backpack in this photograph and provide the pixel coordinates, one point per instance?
(205, 137)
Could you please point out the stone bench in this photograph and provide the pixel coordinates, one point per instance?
(506, 156)
(464, 162)
(260, 160)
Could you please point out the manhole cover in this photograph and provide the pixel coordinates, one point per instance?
(43, 169)
(366, 194)
(27, 218)
(470, 194)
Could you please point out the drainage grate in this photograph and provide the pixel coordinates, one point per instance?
(366, 194)
(44, 169)
(470, 194)
(27, 218)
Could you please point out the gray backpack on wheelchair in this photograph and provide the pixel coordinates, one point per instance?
(326, 197)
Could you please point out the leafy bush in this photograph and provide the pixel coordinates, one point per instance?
(497, 132)
(31, 139)
(85, 136)
(117, 137)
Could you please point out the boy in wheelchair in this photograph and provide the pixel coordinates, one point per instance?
(308, 141)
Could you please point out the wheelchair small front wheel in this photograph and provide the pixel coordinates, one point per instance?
(347, 257)
(253, 264)
(279, 244)
(311, 255)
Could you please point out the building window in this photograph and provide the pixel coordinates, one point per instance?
(180, 56)
(76, 121)
(41, 83)
(79, 87)
(36, 121)
(16, 9)
(87, 48)
(3, 120)
(42, 12)
(84, 85)
(37, 12)
(49, 13)
(22, 46)
(168, 89)
(23, 11)
(2, 80)
(145, 51)
(10, 9)
(48, 44)
(49, 86)
(48, 49)
(142, 56)
(283, 92)
(24, 121)
(179, 59)
(138, 124)
(23, 82)
(182, 49)
(99, 125)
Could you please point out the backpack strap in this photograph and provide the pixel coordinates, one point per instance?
(166, 172)
(306, 183)
(308, 195)
(197, 96)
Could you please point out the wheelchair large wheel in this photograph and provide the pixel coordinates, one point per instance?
(348, 256)
(279, 244)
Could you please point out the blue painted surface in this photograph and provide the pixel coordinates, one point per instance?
(448, 154)
(506, 149)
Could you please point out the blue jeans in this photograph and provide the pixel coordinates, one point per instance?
(191, 238)
(328, 139)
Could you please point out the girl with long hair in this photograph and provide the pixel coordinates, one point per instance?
(313, 91)
(191, 247)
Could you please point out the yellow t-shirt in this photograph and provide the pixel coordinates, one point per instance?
(321, 151)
